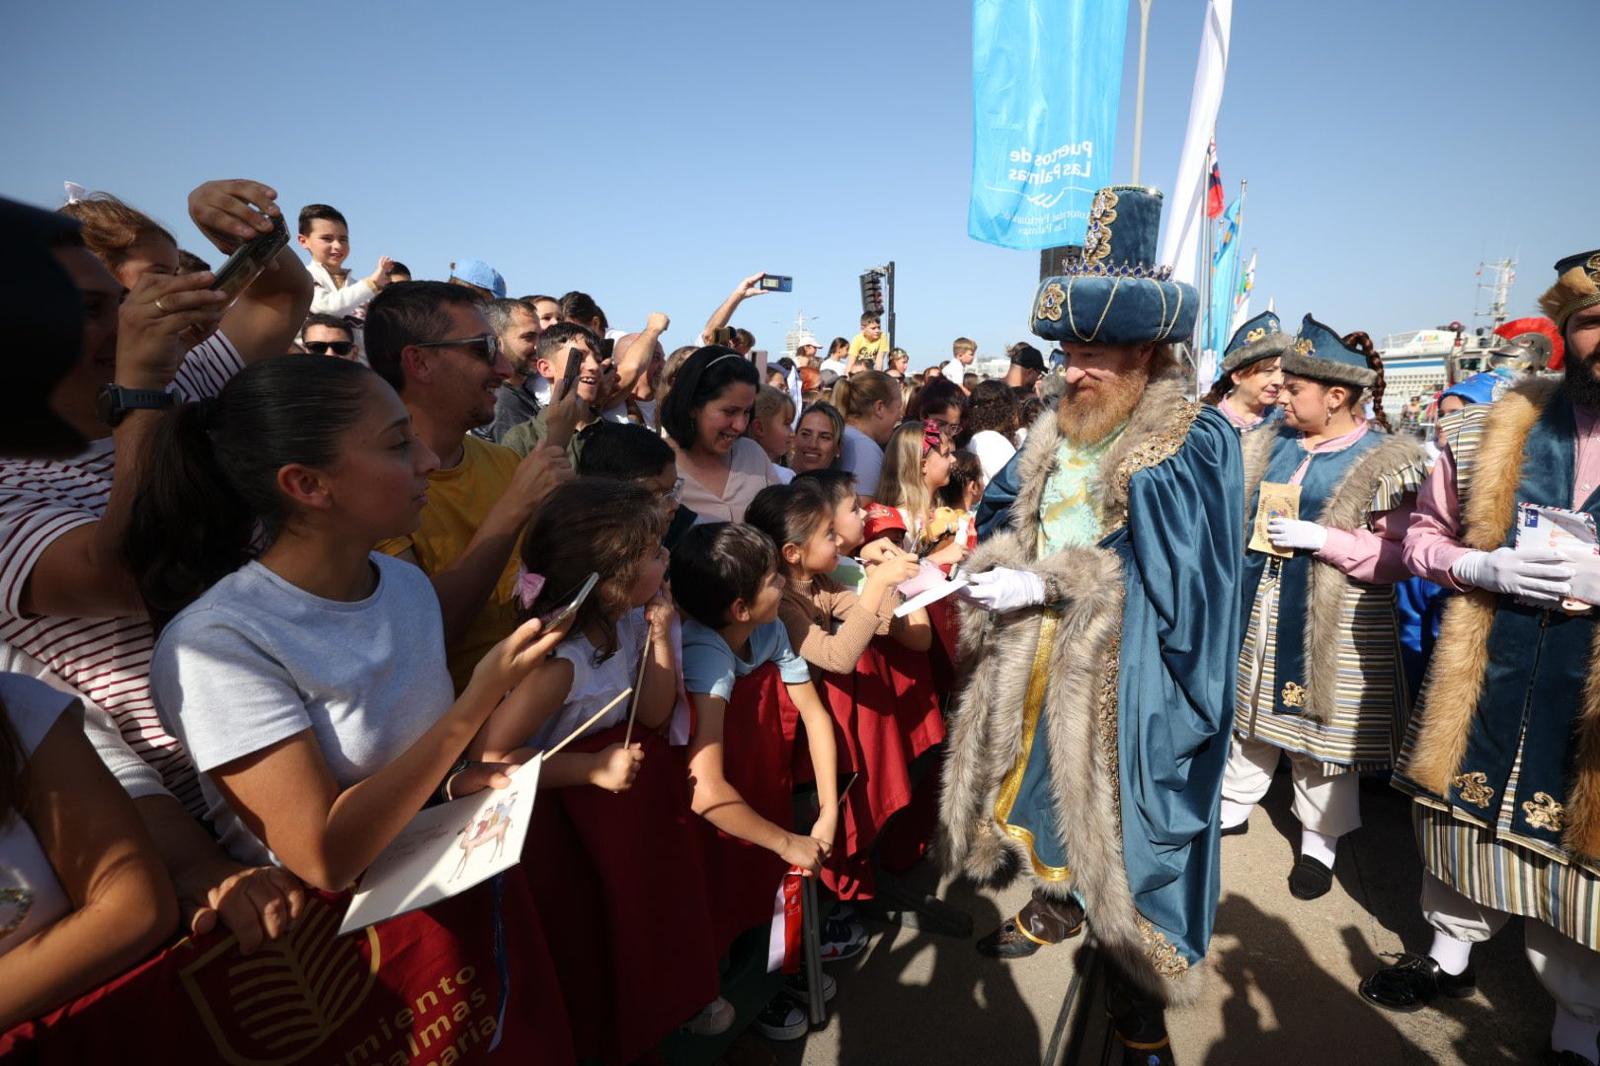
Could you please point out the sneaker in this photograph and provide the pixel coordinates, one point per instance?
(795, 983)
(842, 940)
(714, 1019)
(782, 1019)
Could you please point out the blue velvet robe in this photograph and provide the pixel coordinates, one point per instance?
(1181, 630)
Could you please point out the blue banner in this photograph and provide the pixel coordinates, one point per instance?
(1224, 278)
(1046, 84)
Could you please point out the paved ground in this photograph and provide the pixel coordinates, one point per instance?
(1284, 991)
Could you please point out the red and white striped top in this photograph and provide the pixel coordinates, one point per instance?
(104, 660)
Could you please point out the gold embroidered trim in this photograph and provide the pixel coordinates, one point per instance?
(1050, 302)
(1097, 239)
(1106, 725)
(1038, 683)
(1303, 346)
(1294, 695)
(1474, 788)
(1544, 812)
(1255, 334)
(1158, 449)
(1165, 958)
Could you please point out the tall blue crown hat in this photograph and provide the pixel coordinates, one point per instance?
(1116, 294)
(1260, 338)
(1318, 353)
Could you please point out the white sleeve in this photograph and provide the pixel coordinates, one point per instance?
(220, 688)
(327, 300)
(137, 777)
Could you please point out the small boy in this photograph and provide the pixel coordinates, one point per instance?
(725, 579)
(398, 272)
(624, 451)
(325, 234)
(870, 342)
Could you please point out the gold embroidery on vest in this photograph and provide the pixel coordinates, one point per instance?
(1544, 812)
(1474, 788)
(1294, 695)
(1164, 957)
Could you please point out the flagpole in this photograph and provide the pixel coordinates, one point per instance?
(1203, 312)
(1138, 104)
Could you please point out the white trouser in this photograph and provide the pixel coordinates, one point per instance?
(1324, 804)
(1569, 971)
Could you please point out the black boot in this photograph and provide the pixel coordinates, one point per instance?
(1414, 982)
(1139, 1021)
(1042, 922)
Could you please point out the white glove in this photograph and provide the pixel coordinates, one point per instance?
(1288, 533)
(1585, 577)
(1001, 590)
(1538, 577)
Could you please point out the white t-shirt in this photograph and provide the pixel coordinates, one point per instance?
(106, 661)
(838, 366)
(993, 452)
(596, 681)
(31, 896)
(782, 474)
(863, 458)
(256, 660)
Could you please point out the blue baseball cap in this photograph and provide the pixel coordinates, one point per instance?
(477, 272)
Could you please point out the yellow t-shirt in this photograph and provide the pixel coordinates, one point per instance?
(458, 501)
(861, 346)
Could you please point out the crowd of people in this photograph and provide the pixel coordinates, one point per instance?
(283, 566)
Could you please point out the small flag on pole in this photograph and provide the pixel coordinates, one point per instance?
(1214, 195)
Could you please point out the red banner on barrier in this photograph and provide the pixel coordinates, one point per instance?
(423, 989)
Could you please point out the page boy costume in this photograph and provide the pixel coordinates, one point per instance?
(1256, 341)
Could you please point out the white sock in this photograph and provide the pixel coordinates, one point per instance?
(1235, 813)
(1319, 846)
(1451, 954)
(1570, 1033)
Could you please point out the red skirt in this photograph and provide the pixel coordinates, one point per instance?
(758, 732)
(421, 987)
(619, 877)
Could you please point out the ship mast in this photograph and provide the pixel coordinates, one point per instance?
(1502, 274)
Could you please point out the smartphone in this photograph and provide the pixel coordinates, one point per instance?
(776, 283)
(758, 356)
(722, 335)
(250, 259)
(576, 357)
(558, 616)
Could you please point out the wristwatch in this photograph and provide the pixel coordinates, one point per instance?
(114, 402)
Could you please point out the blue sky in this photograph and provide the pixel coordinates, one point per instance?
(653, 153)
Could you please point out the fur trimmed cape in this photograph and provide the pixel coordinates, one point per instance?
(1079, 717)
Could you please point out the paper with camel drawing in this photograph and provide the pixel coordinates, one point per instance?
(445, 850)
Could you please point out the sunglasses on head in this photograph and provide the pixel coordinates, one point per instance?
(485, 346)
(327, 347)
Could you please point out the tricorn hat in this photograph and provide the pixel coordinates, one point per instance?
(1260, 338)
(1318, 353)
(1577, 286)
(1116, 294)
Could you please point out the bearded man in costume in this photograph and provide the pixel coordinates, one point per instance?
(1099, 639)
(1502, 759)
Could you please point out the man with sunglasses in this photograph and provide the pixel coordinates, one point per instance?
(432, 342)
(330, 335)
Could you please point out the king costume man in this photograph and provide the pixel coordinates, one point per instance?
(1100, 637)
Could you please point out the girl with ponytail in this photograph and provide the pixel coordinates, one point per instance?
(305, 673)
(1323, 598)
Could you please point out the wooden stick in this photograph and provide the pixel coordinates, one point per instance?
(601, 713)
(638, 691)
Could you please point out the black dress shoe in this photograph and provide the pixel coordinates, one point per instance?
(1309, 879)
(1139, 1022)
(1236, 830)
(1414, 982)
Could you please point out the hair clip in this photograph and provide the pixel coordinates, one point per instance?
(528, 588)
(75, 192)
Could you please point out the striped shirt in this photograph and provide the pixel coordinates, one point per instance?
(105, 661)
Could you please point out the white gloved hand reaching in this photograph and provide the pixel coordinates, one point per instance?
(1540, 577)
(1300, 536)
(1003, 589)
(1585, 577)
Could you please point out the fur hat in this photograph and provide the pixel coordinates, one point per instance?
(1577, 286)
(1319, 354)
(1260, 338)
(1116, 294)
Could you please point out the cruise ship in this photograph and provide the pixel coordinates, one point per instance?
(1420, 362)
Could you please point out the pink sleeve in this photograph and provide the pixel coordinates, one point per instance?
(1376, 555)
(1432, 543)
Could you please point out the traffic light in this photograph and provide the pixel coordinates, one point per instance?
(872, 293)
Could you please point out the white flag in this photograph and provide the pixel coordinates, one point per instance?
(1241, 299)
(1180, 245)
